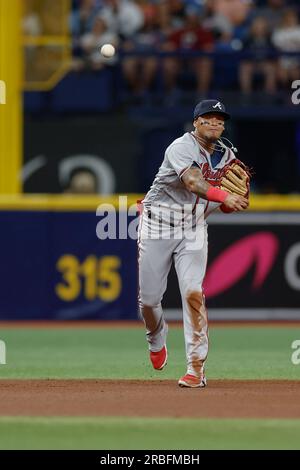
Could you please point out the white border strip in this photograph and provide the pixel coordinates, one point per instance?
(241, 314)
(249, 218)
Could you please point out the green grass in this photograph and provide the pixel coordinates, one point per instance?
(120, 353)
(240, 353)
(137, 433)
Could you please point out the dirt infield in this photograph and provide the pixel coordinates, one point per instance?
(221, 399)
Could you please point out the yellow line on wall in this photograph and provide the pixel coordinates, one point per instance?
(274, 202)
(62, 202)
(90, 203)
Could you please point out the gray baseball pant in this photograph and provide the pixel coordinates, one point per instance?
(155, 260)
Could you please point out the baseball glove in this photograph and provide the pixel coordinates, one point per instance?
(236, 178)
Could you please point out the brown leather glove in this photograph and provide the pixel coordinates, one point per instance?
(236, 178)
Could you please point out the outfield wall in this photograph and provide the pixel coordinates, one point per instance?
(53, 266)
(253, 268)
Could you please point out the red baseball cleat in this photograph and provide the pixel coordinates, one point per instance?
(191, 381)
(159, 358)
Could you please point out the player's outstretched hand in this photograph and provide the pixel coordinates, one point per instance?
(236, 203)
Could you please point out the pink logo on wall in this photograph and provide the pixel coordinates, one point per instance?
(229, 267)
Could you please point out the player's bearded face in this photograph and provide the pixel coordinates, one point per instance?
(210, 126)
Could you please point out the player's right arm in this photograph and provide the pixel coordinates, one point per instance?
(193, 180)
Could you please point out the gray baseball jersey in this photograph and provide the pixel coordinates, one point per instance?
(167, 188)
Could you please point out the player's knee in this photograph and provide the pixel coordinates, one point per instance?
(196, 310)
(195, 294)
(150, 298)
(189, 286)
(194, 299)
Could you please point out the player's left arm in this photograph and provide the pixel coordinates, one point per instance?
(194, 181)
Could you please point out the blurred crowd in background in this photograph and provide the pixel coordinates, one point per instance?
(258, 27)
(169, 55)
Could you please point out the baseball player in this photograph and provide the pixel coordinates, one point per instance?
(198, 175)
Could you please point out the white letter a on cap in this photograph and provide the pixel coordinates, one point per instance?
(218, 105)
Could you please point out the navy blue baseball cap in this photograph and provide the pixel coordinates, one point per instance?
(210, 106)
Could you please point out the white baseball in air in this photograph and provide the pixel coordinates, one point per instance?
(108, 50)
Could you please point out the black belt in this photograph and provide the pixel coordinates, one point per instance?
(159, 219)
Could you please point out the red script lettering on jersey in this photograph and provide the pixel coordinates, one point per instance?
(212, 176)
